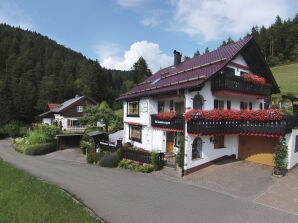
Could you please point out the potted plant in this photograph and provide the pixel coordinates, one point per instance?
(280, 158)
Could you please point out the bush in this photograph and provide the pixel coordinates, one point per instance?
(86, 146)
(36, 137)
(155, 162)
(19, 144)
(180, 155)
(109, 160)
(3, 133)
(40, 149)
(136, 166)
(281, 154)
(94, 157)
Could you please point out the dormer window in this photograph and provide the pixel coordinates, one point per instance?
(133, 108)
(80, 108)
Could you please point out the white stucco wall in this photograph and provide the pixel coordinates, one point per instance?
(291, 141)
(208, 151)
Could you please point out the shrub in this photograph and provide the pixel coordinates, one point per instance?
(155, 162)
(281, 154)
(19, 144)
(180, 155)
(3, 133)
(94, 157)
(136, 166)
(49, 130)
(40, 149)
(86, 146)
(109, 160)
(36, 137)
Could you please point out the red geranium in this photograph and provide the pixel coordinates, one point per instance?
(167, 115)
(251, 115)
(253, 78)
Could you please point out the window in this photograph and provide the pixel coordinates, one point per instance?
(250, 105)
(219, 104)
(73, 123)
(179, 107)
(198, 102)
(243, 105)
(219, 142)
(229, 71)
(229, 105)
(161, 106)
(80, 108)
(176, 139)
(197, 147)
(135, 133)
(133, 108)
(296, 144)
(171, 105)
(261, 106)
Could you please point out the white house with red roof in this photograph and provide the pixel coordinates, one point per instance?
(219, 103)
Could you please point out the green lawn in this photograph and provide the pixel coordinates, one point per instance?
(287, 78)
(24, 198)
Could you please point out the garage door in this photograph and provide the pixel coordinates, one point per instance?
(257, 149)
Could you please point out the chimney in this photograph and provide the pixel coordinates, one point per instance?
(177, 58)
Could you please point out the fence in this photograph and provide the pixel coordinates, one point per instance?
(132, 154)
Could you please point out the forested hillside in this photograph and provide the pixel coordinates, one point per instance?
(35, 70)
(278, 43)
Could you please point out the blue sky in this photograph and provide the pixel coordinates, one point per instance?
(118, 32)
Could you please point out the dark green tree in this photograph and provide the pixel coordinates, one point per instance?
(140, 70)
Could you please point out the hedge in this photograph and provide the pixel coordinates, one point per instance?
(40, 149)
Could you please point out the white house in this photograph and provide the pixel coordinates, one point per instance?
(67, 113)
(232, 78)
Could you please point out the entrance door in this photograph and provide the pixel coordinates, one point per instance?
(170, 142)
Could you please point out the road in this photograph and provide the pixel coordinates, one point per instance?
(123, 196)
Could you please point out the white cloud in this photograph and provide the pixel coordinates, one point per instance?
(12, 14)
(149, 21)
(129, 3)
(151, 52)
(217, 19)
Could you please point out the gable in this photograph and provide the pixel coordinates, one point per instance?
(71, 111)
(239, 60)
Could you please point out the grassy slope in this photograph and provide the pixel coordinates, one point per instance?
(287, 78)
(24, 198)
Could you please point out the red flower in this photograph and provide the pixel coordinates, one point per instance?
(167, 115)
(253, 78)
(251, 115)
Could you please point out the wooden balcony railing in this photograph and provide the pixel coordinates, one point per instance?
(176, 123)
(204, 127)
(236, 83)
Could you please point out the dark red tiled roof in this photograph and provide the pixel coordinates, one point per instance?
(190, 73)
(52, 106)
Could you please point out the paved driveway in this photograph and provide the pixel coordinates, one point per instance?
(250, 181)
(124, 196)
(73, 155)
(237, 178)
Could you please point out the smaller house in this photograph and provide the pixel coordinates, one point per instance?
(67, 113)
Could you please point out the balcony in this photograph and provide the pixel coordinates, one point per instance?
(174, 124)
(242, 127)
(224, 83)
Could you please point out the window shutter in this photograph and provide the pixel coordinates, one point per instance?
(241, 105)
(229, 105)
(296, 144)
(250, 105)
